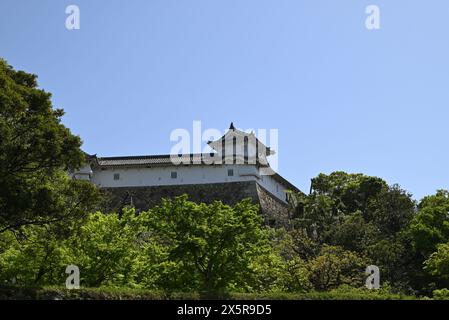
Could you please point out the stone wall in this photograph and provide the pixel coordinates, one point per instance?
(144, 198)
(274, 211)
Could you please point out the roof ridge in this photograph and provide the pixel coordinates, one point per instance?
(152, 156)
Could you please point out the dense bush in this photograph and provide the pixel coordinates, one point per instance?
(176, 245)
(442, 294)
(55, 293)
(181, 246)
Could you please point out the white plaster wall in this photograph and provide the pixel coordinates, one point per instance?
(274, 187)
(84, 173)
(162, 175)
(197, 174)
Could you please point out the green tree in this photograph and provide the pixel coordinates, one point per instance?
(281, 269)
(354, 233)
(35, 152)
(335, 266)
(430, 226)
(360, 214)
(351, 191)
(214, 243)
(105, 248)
(438, 263)
(33, 256)
(110, 250)
(428, 229)
(391, 210)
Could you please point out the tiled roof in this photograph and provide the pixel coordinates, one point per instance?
(166, 159)
(139, 160)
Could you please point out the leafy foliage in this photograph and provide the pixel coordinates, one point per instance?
(178, 244)
(431, 225)
(438, 262)
(35, 152)
(361, 215)
(335, 266)
(215, 242)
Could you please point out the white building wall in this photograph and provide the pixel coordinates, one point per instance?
(274, 187)
(84, 173)
(196, 174)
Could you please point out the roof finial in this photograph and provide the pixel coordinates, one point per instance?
(232, 126)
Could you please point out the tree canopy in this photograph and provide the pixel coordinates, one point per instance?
(36, 150)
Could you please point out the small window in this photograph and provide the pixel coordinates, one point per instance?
(116, 176)
(230, 172)
(174, 175)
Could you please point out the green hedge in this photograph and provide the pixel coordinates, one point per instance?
(54, 293)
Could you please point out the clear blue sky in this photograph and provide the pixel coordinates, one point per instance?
(342, 97)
